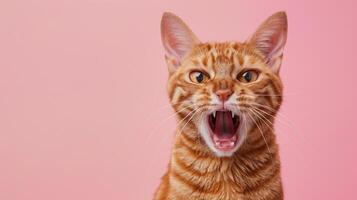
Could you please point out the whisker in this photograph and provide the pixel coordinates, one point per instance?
(161, 108)
(261, 133)
(178, 123)
(190, 114)
(262, 112)
(264, 119)
(269, 95)
(246, 127)
(287, 122)
(281, 119)
(165, 120)
(190, 119)
(292, 128)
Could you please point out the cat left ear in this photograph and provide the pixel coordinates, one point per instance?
(177, 38)
(270, 39)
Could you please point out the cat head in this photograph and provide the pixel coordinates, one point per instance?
(224, 89)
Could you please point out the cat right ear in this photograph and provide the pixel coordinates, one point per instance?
(270, 39)
(177, 38)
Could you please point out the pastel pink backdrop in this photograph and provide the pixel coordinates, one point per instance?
(83, 106)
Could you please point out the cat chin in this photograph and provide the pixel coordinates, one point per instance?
(206, 133)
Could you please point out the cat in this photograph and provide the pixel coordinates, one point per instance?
(226, 96)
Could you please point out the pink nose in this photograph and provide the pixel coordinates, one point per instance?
(224, 94)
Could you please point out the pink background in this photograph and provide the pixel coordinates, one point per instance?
(83, 106)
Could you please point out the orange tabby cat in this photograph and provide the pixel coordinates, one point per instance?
(226, 96)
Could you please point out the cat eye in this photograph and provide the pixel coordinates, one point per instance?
(198, 77)
(248, 76)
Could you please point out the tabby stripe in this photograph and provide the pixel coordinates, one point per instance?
(188, 168)
(266, 181)
(196, 187)
(195, 153)
(255, 166)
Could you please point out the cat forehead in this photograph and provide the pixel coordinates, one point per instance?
(223, 55)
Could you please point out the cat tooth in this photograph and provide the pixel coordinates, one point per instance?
(214, 114)
(233, 114)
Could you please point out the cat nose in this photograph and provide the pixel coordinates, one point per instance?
(224, 94)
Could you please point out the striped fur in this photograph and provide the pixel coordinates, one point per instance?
(195, 171)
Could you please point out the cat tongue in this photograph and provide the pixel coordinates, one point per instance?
(224, 127)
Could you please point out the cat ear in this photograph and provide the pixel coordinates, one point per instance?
(177, 38)
(270, 39)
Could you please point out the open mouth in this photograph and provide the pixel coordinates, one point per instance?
(224, 125)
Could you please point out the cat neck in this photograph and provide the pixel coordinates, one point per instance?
(194, 167)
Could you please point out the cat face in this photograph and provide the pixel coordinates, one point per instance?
(224, 89)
